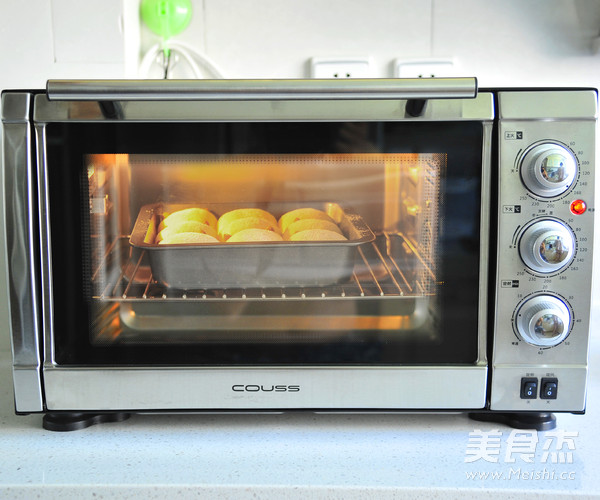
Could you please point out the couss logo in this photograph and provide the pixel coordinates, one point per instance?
(265, 388)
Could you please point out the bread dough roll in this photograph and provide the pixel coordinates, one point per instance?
(253, 234)
(189, 214)
(237, 225)
(188, 226)
(225, 221)
(317, 235)
(189, 238)
(301, 213)
(304, 224)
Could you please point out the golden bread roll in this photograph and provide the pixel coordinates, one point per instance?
(317, 235)
(188, 214)
(189, 238)
(237, 225)
(225, 221)
(254, 235)
(304, 224)
(301, 213)
(188, 226)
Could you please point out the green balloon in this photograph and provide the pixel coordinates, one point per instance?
(166, 17)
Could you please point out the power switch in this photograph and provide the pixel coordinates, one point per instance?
(549, 388)
(529, 388)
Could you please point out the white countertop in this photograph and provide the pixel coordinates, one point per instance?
(289, 456)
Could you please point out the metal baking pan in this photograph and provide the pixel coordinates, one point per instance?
(253, 264)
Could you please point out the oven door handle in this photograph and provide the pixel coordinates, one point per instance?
(262, 90)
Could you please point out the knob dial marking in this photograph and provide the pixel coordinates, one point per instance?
(548, 169)
(547, 246)
(543, 321)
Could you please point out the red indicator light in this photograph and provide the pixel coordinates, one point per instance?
(578, 207)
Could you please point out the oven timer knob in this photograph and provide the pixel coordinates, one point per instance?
(548, 169)
(543, 321)
(547, 246)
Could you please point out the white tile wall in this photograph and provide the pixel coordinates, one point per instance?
(533, 42)
(541, 42)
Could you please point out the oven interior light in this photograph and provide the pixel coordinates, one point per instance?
(578, 207)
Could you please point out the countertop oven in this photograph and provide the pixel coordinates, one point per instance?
(322, 245)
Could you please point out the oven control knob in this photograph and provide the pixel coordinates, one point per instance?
(543, 320)
(547, 246)
(548, 169)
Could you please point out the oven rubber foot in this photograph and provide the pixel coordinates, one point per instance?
(65, 421)
(538, 421)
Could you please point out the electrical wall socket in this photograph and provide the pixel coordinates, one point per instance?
(423, 68)
(340, 67)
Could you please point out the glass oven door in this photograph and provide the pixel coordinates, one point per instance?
(394, 279)
(308, 247)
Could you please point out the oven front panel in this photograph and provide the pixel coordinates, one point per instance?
(547, 152)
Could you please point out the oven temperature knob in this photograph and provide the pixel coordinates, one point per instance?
(543, 321)
(547, 246)
(548, 169)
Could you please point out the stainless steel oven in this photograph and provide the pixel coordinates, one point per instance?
(323, 245)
